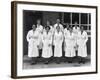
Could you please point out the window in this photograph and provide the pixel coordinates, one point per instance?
(66, 17)
(83, 19)
(75, 18)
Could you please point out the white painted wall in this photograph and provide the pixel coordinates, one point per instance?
(5, 40)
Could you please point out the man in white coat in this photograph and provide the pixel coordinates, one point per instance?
(58, 24)
(65, 35)
(58, 40)
(69, 45)
(39, 28)
(33, 44)
(47, 44)
(51, 27)
(82, 48)
(76, 29)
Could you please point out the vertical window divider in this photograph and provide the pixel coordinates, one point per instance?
(88, 22)
(79, 19)
(71, 19)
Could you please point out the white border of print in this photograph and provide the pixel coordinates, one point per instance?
(31, 72)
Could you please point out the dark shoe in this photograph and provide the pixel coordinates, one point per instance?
(69, 61)
(33, 63)
(46, 62)
(58, 62)
(83, 62)
(80, 62)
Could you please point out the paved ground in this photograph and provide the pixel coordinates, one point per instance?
(52, 64)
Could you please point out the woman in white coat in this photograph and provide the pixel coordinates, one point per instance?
(33, 44)
(47, 44)
(58, 40)
(69, 44)
(81, 41)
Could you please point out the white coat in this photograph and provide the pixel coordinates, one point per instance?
(51, 29)
(47, 44)
(75, 31)
(69, 44)
(58, 40)
(65, 37)
(33, 42)
(81, 41)
(60, 25)
(40, 30)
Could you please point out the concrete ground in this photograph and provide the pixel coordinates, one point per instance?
(27, 63)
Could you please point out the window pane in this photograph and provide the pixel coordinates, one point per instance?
(75, 18)
(88, 33)
(89, 27)
(85, 27)
(66, 17)
(84, 18)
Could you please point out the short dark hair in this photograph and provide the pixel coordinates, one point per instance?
(47, 27)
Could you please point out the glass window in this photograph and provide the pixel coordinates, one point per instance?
(89, 27)
(66, 17)
(75, 18)
(85, 27)
(84, 18)
(89, 18)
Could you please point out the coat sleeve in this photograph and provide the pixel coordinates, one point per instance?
(42, 38)
(62, 29)
(39, 39)
(86, 37)
(50, 40)
(64, 42)
(28, 36)
(62, 37)
(54, 39)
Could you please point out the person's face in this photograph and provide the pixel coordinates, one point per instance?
(58, 20)
(48, 23)
(75, 23)
(70, 29)
(47, 29)
(82, 28)
(67, 25)
(38, 21)
(33, 27)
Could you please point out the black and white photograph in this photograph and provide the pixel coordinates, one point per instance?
(54, 39)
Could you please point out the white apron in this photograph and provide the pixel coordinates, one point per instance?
(81, 41)
(58, 40)
(47, 44)
(69, 44)
(33, 42)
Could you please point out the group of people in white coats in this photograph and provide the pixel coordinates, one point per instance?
(71, 39)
